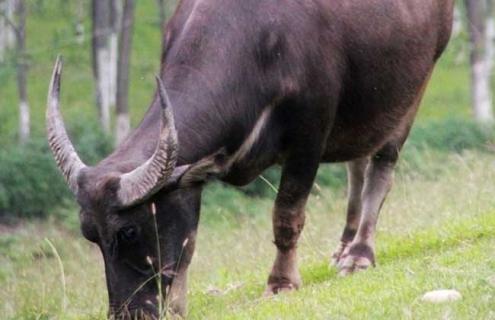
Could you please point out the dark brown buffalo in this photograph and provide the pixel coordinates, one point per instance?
(252, 83)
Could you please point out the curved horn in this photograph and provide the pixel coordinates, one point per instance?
(65, 155)
(148, 178)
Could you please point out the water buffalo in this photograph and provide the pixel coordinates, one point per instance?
(244, 85)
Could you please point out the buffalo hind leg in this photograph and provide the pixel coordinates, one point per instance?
(356, 171)
(359, 254)
(298, 175)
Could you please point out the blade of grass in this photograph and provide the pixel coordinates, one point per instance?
(62, 274)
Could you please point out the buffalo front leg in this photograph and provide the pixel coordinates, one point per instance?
(288, 221)
(177, 299)
(359, 254)
(356, 171)
(177, 293)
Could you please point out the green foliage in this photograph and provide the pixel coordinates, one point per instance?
(30, 183)
(451, 135)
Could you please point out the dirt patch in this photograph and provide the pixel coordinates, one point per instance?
(9, 225)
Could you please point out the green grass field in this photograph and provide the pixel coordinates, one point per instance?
(436, 231)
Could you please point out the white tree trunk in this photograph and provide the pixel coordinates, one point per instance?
(481, 30)
(104, 82)
(24, 121)
(483, 94)
(3, 29)
(112, 68)
(105, 16)
(122, 128)
(22, 70)
(125, 45)
(489, 59)
(490, 38)
(11, 38)
(481, 91)
(116, 21)
(457, 27)
(7, 34)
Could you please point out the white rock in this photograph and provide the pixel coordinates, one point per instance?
(440, 296)
(491, 281)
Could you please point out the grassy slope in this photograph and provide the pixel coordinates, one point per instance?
(434, 233)
(427, 224)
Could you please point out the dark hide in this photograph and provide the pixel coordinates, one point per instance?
(355, 66)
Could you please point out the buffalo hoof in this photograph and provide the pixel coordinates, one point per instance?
(354, 258)
(281, 285)
(339, 252)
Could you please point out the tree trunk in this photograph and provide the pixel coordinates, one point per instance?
(125, 44)
(7, 34)
(481, 60)
(161, 11)
(80, 32)
(24, 114)
(115, 24)
(4, 29)
(490, 37)
(101, 55)
(457, 24)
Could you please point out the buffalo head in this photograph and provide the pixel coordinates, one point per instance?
(146, 237)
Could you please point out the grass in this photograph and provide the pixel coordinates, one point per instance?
(436, 231)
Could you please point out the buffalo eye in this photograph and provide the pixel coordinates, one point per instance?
(128, 234)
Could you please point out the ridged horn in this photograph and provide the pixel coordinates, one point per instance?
(65, 155)
(145, 180)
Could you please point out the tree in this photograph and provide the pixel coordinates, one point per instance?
(7, 34)
(482, 36)
(17, 23)
(161, 11)
(125, 44)
(457, 24)
(80, 34)
(105, 16)
(115, 26)
(22, 69)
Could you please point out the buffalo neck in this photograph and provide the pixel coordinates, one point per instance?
(208, 116)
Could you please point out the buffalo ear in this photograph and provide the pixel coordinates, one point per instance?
(201, 171)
